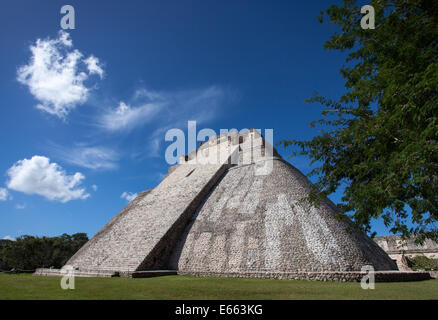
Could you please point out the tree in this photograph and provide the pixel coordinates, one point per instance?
(4, 246)
(379, 140)
(29, 252)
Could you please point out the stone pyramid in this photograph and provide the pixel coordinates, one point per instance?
(231, 207)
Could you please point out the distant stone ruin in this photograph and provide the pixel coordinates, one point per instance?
(400, 250)
(232, 208)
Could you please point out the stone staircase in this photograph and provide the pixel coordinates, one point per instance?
(142, 235)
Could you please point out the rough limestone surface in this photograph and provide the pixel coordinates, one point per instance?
(262, 223)
(232, 207)
(135, 238)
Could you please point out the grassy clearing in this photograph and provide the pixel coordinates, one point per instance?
(26, 286)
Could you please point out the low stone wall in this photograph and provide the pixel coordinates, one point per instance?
(76, 273)
(343, 276)
(105, 273)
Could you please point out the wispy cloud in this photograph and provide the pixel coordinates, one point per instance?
(154, 142)
(148, 94)
(90, 157)
(20, 206)
(126, 117)
(129, 196)
(164, 108)
(56, 73)
(8, 238)
(39, 176)
(4, 194)
(200, 105)
(178, 107)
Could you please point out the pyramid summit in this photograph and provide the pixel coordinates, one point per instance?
(233, 207)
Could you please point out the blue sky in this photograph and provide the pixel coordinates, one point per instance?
(84, 112)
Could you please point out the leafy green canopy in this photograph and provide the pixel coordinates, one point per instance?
(380, 137)
(29, 252)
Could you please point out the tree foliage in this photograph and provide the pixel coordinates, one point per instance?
(29, 252)
(379, 140)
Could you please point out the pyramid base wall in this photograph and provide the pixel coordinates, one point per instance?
(342, 276)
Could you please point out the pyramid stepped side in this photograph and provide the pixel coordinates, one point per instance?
(253, 223)
(142, 235)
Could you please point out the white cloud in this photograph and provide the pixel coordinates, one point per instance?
(56, 73)
(94, 187)
(125, 117)
(20, 206)
(4, 194)
(128, 196)
(38, 176)
(93, 66)
(8, 238)
(88, 157)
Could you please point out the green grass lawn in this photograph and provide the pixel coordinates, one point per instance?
(26, 286)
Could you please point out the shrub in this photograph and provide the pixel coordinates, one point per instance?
(424, 263)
